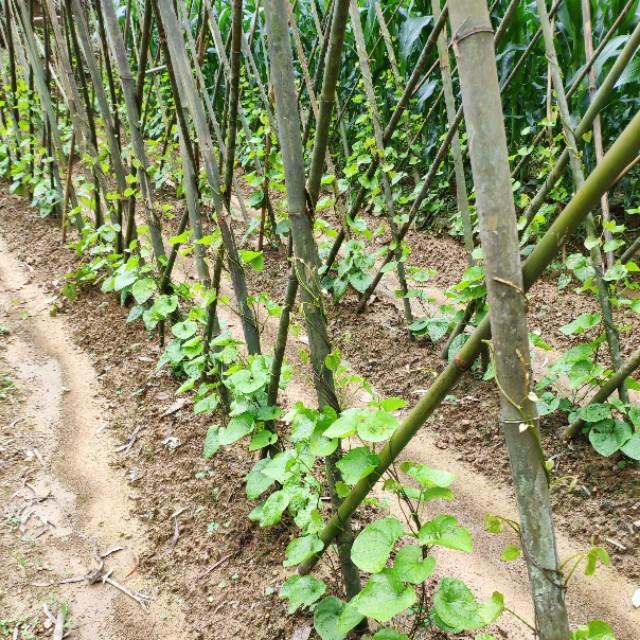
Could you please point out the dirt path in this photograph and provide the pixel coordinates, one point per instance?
(62, 502)
(43, 360)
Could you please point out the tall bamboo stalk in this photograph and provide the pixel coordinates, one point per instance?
(474, 47)
(234, 95)
(462, 198)
(597, 128)
(116, 45)
(305, 252)
(192, 102)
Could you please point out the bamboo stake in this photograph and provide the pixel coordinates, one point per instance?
(597, 128)
(305, 252)
(577, 170)
(365, 71)
(190, 99)
(462, 197)
(474, 48)
(116, 44)
(619, 155)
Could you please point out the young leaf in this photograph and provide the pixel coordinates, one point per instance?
(411, 567)
(184, 330)
(426, 475)
(384, 596)
(299, 549)
(257, 482)
(143, 289)
(272, 511)
(377, 426)
(255, 259)
(456, 606)
(302, 591)
(446, 532)
(238, 427)
(333, 618)
(357, 464)
(372, 548)
(510, 552)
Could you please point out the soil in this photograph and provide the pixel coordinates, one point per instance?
(122, 462)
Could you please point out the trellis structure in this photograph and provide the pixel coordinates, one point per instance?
(100, 99)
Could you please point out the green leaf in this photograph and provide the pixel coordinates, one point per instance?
(581, 324)
(372, 548)
(595, 630)
(510, 552)
(299, 549)
(445, 531)
(411, 567)
(258, 482)
(124, 279)
(360, 281)
(389, 634)
(617, 272)
(631, 448)
(608, 436)
(255, 199)
(211, 444)
(456, 606)
(595, 555)
(255, 259)
(302, 591)
(392, 404)
(238, 427)
(262, 439)
(247, 381)
(377, 426)
(184, 330)
(272, 511)
(333, 618)
(143, 289)
(357, 464)
(345, 425)
(595, 412)
(426, 475)
(384, 596)
(208, 404)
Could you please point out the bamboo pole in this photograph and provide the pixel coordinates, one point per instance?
(367, 79)
(116, 44)
(619, 155)
(577, 169)
(462, 198)
(234, 95)
(192, 102)
(305, 252)
(474, 48)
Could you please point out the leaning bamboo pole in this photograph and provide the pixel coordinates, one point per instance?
(192, 102)
(577, 169)
(601, 179)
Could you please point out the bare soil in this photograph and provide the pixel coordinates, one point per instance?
(212, 574)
